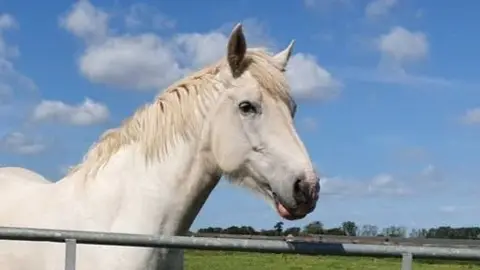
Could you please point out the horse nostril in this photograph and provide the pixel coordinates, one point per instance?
(296, 186)
(299, 191)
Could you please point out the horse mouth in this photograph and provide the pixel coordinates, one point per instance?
(282, 210)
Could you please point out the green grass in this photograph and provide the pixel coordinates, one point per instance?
(225, 260)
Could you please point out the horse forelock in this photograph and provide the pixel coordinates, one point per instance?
(176, 113)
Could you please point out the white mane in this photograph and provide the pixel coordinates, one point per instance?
(176, 113)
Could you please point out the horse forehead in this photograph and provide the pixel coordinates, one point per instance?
(250, 92)
(285, 102)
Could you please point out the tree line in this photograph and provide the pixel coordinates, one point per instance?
(350, 228)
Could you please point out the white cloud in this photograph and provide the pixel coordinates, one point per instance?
(401, 46)
(336, 186)
(143, 62)
(310, 80)
(137, 62)
(387, 185)
(7, 21)
(378, 8)
(18, 142)
(471, 117)
(87, 113)
(147, 61)
(257, 34)
(143, 15)
(86, 21)
(10, 78)
(201, 49)
(195, 50)
(380, 185)
(392, 73)
(430, 178)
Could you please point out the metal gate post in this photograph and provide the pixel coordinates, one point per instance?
(70, 254)
(407, 261)
(181, 255)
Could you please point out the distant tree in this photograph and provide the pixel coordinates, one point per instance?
(315, 227)
(395, 231)
(402, 231)
(295, 231)
(418, 233)
(334, 231)
(278, 227)
(389, 231)
(249, 230)
(210, 230)
(454, 233)
(350, 228)
(368, 230)
(423, 233)
(232, 230)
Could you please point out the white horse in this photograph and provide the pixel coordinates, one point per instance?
(153, 174)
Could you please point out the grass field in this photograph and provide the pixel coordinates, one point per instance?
(225, 260)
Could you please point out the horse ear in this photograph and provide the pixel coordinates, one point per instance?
(237, 47)
(283, 56)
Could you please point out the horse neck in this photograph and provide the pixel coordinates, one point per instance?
(132, 195)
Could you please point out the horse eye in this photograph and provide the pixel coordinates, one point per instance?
(247, 107)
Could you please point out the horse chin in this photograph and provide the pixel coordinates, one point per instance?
(282, 210)
(286, 214)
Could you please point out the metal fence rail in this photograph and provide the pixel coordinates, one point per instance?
(72, 238)
(373, 240)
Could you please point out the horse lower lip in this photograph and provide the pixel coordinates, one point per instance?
(283, 211)
(286, 212)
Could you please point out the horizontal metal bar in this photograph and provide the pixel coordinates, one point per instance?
(371, 240)
(262, 246)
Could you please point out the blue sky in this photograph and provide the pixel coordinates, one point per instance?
(388, 93)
